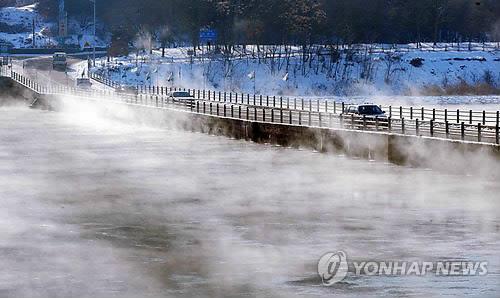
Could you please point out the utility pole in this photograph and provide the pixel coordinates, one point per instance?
(34, 37)
(63, 23)
(95, 39)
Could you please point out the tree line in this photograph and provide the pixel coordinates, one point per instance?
(299, 22)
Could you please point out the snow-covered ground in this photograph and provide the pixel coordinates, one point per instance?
(375, 74)
(20, 34)
(21, 18)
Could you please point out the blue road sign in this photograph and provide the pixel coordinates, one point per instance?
(208, 35)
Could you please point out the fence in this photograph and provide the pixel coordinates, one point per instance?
(277, 110)
(429, 47)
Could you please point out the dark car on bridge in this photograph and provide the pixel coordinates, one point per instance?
(368, 110)
(367, 116)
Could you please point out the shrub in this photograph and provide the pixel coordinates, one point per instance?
(417, 62)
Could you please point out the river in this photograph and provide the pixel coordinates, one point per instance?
(91, 207)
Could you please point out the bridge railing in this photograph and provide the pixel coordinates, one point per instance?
(427, 128)
(324, 105)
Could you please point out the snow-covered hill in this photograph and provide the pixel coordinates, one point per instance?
(378, 73)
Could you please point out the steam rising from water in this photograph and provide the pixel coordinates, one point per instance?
(92, 206)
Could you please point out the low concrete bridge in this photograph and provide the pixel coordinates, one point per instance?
(321, 126)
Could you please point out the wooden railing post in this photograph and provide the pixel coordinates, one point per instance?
(497, 137)
(479, 132)
(498, 118)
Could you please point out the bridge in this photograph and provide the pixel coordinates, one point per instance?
(320, 124)
(480, 126)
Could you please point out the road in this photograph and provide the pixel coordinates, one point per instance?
(40, 69)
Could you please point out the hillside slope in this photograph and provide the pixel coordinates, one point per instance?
(381, 73)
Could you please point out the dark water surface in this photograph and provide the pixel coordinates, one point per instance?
(95, 208)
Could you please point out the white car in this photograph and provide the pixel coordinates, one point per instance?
(83, 83)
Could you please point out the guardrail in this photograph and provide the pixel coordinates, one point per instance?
(273, 110)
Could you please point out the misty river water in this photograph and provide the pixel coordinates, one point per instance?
(104, 208)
